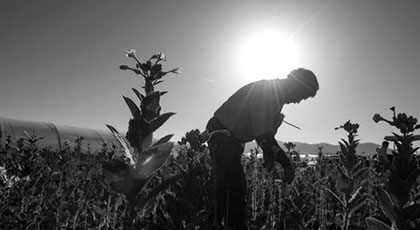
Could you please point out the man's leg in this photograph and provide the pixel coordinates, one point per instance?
(230, 181)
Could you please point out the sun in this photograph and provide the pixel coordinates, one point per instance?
(268, 55)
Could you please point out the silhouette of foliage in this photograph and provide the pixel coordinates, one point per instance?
(398, 203)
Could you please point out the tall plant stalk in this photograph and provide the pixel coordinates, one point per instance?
(350, 180)
(398, 205)
(129, 172)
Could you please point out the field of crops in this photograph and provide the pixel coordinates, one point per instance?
(66, 190)
(149, 188)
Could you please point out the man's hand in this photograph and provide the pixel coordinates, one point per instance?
(282, 117)
(268, 157)
(289, 174)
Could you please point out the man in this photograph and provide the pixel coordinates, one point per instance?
(252, 113)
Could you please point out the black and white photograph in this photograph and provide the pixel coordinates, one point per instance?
(210, 114)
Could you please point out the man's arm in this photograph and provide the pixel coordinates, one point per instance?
(289, 169)
(273, 152)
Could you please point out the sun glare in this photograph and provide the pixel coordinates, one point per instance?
(268, 55)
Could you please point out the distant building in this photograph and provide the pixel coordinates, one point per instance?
(55, 136)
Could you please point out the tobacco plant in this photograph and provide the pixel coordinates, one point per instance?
(300, 203)
(189, 203)
(350, 181)
(398, 204)
(129, 173)
(186, 203)
(290, 146)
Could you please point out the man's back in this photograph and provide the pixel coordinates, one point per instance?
(253, 110)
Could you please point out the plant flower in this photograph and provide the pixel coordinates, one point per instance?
(131, 53)
(161, 56)
(176, 71)
(377, 118)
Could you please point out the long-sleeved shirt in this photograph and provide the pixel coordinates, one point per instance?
(254, 110)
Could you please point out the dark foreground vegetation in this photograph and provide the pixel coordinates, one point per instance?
(43, 189)
(71, 189)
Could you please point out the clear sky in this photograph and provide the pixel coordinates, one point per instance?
(59, 60)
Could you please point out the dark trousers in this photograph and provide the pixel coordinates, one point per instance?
(226, 151)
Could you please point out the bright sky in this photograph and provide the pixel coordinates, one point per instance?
(59, 60)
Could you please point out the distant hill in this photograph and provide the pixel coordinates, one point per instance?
(305, 148)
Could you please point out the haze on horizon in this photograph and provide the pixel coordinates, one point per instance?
(59, 60)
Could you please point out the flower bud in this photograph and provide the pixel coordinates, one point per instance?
(377, 118)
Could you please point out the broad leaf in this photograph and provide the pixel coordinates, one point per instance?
(412, 178)
(391, 138)
(150, 105)
(135, 111)
(398, 189)
(157, 82)
(356, 194)
(416, 138)
(159, 121)
(139, 95)
(164, 139)
(397, 136)
(348, 146)
(414, 150)
(343, 149)
(159, 188)
(335, 197)
(360, 174)
(114, 170)
(147, 141)
(356, 203)
(339, 168)
(118, 175)
(375, 224)
(152, 159)
(386, 203)
(344, 184)
(122, 142)
(138, 132)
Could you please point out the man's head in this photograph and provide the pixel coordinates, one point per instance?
(300, 84)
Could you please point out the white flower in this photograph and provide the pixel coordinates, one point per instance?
(131, 53)
(176, 71)
(161, 56)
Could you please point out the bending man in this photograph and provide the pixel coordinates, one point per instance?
(252, 113)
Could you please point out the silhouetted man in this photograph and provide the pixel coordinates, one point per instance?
(252, 113)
